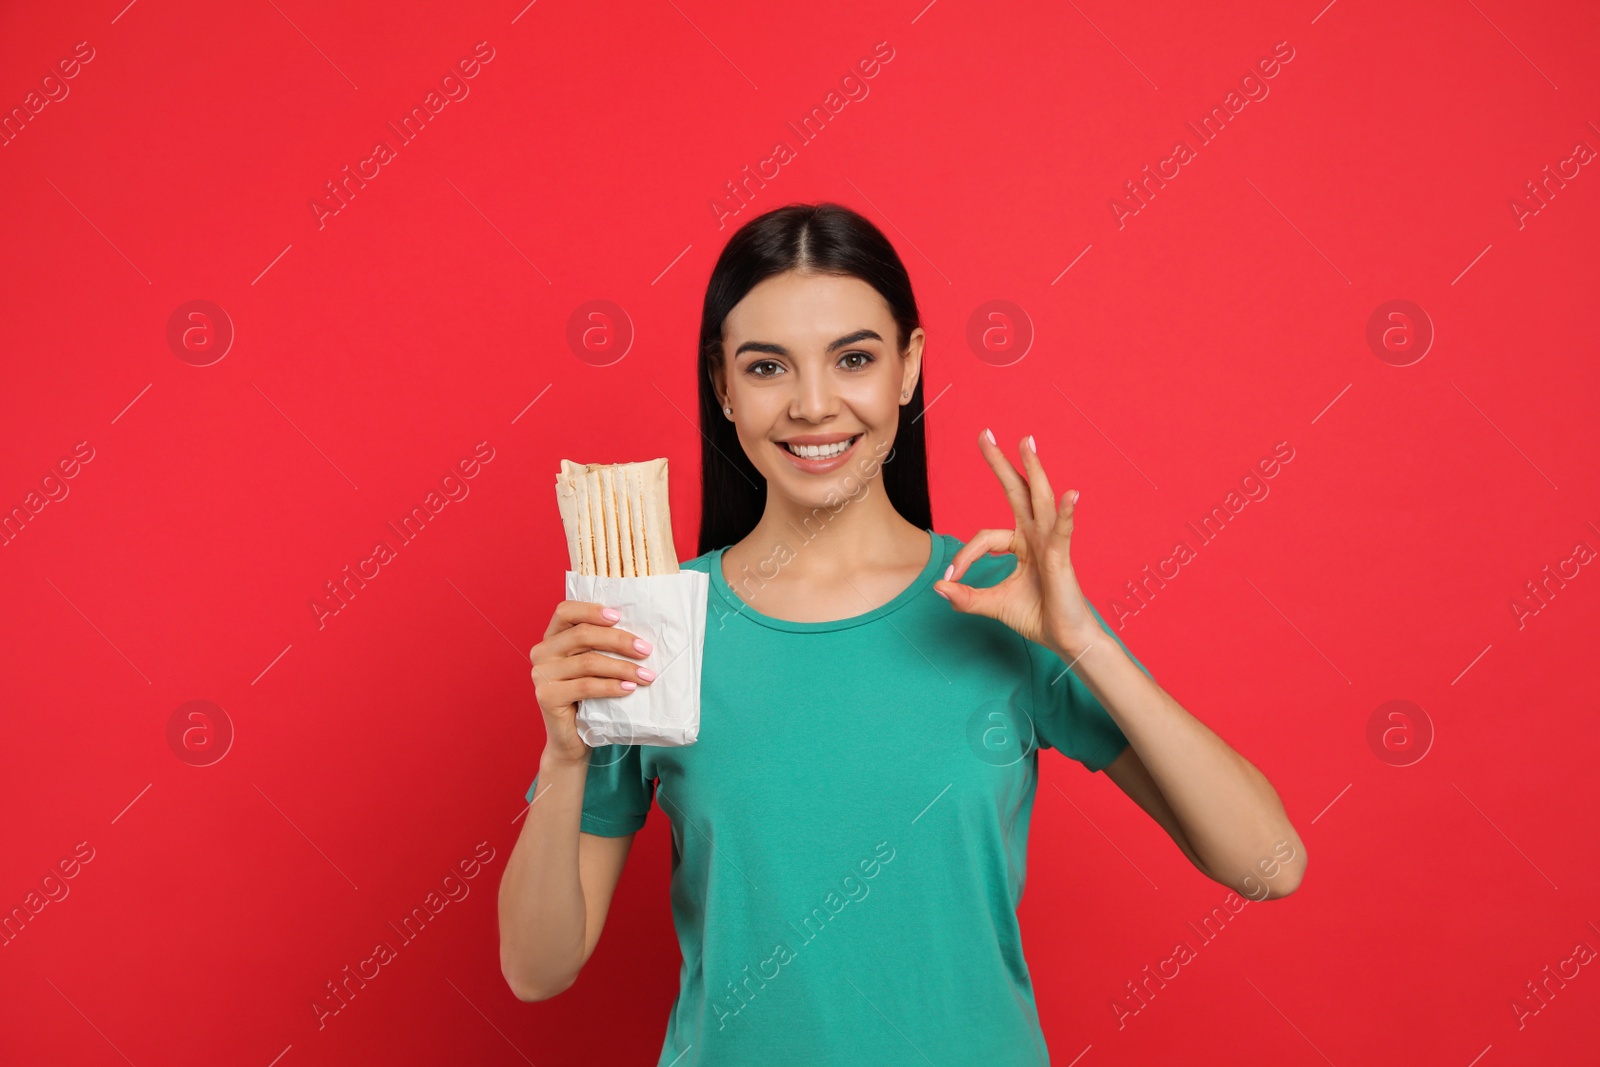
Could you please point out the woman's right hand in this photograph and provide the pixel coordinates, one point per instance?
(569, 666)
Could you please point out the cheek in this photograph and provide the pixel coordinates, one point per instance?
(757, 411)
(875, 401)
(754, 417)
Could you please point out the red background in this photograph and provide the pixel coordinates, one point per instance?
(371, 755)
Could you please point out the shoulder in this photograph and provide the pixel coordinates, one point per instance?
(984, 571)
(699, 563)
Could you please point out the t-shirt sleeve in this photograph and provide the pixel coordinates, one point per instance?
(616, 798)
(1066, 714)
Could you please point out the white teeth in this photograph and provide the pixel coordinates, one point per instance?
(821, 451)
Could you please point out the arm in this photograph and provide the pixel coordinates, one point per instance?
(558, 881)
(1220, 810)
(1217, 807)
(557, 886)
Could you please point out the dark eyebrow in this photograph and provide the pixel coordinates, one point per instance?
(779, 350)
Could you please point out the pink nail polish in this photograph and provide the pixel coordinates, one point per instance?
(1031, 446)
(630, 686)
(948, 571)
(646, 674)
(642, 645)
(990, 435)
(612, 614)
(941, 593)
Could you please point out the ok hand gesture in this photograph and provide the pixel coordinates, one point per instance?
(1040, 599)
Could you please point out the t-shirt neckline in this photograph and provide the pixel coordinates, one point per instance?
(931, 572)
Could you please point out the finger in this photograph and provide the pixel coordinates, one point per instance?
(984, 541)
(972, 599)
(560, 693)
(572, 612)
(585, 636)
(1016, 489)
(976, 600)
(562, 680)
(1039, 494)
(595, 665)
(1063, 523)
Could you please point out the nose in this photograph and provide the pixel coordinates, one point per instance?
(813, 399)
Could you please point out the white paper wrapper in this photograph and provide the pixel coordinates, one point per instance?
(669, 611)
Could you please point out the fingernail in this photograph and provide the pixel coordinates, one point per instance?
(1074, 498)
(630, 685)
(612, 614)
(948, 571)
(941, 593)
(642, 645)
(990, 435)
(1031, 446)
(646, 673)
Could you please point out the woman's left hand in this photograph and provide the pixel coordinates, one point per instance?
(1040, 599)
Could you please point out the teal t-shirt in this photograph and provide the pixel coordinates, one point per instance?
(850, 830)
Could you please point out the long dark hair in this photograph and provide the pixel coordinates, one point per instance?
(820, 239)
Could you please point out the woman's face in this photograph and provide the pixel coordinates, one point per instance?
(809, 362)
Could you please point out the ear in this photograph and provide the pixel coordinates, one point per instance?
(713, 373)
(912, 362)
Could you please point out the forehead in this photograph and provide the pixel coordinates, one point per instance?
(812, 310)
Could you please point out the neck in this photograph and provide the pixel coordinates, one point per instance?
(841, 536)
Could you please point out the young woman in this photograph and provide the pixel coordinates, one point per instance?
(850, 830)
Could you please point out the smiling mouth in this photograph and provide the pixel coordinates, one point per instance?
(820, 451)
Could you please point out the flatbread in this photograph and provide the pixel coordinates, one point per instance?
(597, 518)
(636, 519)
(626, 503)
(617, 518)
(609, 503)
(657, 517)
(567, 501)
(586, 553)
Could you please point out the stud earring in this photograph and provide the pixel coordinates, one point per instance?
(727, 410)
(904, 395)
